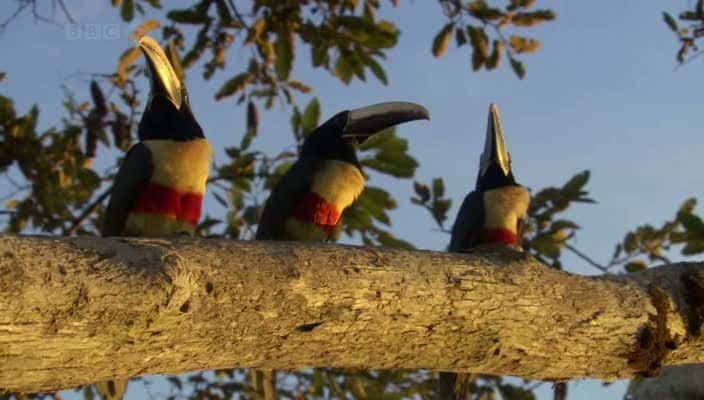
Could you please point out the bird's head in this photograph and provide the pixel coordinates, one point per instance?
(168, 112)
(495, 162)
(339, 137)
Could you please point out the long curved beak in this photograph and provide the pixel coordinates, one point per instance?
(495, 162)
(366, 121)
(163, 78)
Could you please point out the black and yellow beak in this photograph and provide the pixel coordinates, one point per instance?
(163, 78)
(168, 113)
(362, 123)
(495, 162)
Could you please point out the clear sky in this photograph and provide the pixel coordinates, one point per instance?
(603, 93)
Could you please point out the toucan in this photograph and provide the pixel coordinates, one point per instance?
(307, 202)
(493, 213)
(159, 187)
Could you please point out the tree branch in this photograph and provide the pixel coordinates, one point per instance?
(80, 310)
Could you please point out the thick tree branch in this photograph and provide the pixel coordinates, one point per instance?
(79, 310)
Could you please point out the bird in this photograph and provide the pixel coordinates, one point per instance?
(307, 202)
(494, 213)
(159, 188)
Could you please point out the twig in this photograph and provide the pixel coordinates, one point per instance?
(237, 14)
(87, 212)
(65, 10)
(587, 259)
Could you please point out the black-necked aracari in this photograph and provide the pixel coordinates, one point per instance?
(492, 214)
(159, 187)
(307, 202)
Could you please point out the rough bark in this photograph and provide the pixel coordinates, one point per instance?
(81, 310)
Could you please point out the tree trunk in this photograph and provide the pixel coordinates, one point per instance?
(81, 310)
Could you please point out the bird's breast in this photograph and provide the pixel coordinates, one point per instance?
(335, 185)
(172, 200)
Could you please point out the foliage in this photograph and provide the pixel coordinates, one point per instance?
(58, 190)
(688, 30)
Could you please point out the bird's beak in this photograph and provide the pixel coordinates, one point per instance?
(366, 121)
(163, 78)
(495, 162)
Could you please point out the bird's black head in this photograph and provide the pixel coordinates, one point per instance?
(168, 113)
(495, 162)
(339, 137)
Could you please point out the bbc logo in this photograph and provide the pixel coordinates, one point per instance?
(94, 32)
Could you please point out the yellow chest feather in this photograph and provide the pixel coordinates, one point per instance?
(182, 166)
(338, 182)
(504, 206)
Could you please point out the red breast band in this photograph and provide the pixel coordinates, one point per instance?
(163, 200)
(499, 235)
(314, 208)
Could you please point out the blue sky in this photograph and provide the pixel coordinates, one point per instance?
(603, 93)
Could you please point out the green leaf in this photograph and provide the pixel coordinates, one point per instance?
(517, 67)
(438, 187)
(442, 40)
(630, 242)
(233, 85)
(377, 70)
(127, 10)
(670, 22)
(512, 392)
(693, 247)
(311, 117)
(635, 266)
(693, 224)
(480, 46)
(284, 54)
(192, 17)
(687, 206)
(574, 186)
(495, 57)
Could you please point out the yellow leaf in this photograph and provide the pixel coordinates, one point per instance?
(442, 40)
(141, 30)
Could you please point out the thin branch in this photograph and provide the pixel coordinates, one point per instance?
(587, 259)
(65, 10)
(87, 212)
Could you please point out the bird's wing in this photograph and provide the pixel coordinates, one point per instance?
(131, 179)
(285, 196)
(468, 224)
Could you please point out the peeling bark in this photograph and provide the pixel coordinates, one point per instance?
(80, 310)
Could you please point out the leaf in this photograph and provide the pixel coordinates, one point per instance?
(635, 266)
(126, 60)
(377, 70)
(422, 191)
(311, 117)
(438, 187)
(192, 17)
(523, 45)
(687, 206)
(493, 61)
(576, 183)
(233, 85)
(670, 22)
(480, 46)
(252, 122)
(532, 18)
(693, 247)
(284, 54)
(630, 242)
(442, 40)
(141, 30)
(127, 10)
(517, 67)
(693, 224)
